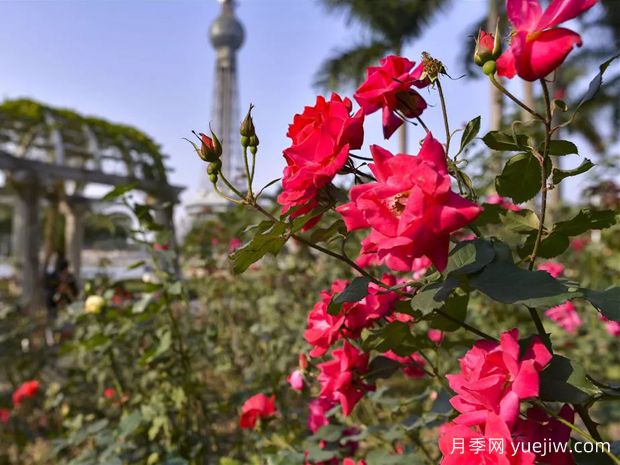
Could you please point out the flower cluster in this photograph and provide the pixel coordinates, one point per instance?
(324, 329)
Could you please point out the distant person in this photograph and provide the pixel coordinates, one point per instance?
(60, 287)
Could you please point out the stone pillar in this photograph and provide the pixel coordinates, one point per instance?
(27, 239)
(75, 212)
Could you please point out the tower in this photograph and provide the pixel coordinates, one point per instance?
(226, 35)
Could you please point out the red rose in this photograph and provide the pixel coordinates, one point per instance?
(25, 391)
(322, 136)
(257, 406)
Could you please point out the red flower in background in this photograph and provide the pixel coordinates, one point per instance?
(410, 209)
(296, 380)
(388, 87)
(25, 391)
(340, 378)
(537, 46)
(412, 365)
(257, 406)
(5, 415)
(495, 378)
(495, 199)
(540, 427)
(317, 416)
(109, 393)
(321, 139)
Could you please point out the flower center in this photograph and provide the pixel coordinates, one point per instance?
(398, 203)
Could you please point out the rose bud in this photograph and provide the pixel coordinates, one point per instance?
(247, 129)
(211, 149)
(488, 47)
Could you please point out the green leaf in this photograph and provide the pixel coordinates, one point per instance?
(329, 433)
(560, 105)
(468, 257)
(586, 220)
(268, 238)
(607, 302)
(129, 423)
(427, 299)
(456, 307)
(520, 222)
(324, 234)
(497, 140)
(354, 292)
(505, 282)
(471, 131)
(397, 337)
(381, 368)
(520, 179)
(596, 83)
(559, 147)
(119, 191)
(565, 381)
(558, 175)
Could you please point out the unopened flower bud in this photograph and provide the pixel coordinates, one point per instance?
(94, 304)
(245, 141)
(211, 149)
(213, 178)
(253, 149)
(253, 142)
(247, 125)
(489, 68)
(488, 47)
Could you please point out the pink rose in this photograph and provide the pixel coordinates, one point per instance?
(296, 380)
(412, 365)
(566, 316)
(388, 87)
(537, 47)
(495, 378)
(318, 409)
(410, 209)
(321, 139)
(555, 269)
(257, 406)
(452, 435)
(341, 377)
(5, 415)
(435, 335)
(612, 327)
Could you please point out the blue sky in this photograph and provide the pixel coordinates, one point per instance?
(148, 63)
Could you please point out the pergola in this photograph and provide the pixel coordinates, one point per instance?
(51, 155)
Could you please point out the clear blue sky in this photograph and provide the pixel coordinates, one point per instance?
(148, 63)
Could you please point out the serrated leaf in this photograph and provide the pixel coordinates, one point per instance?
(468, 257)
(497, 140)
(520, 179)
(268, 238)
(470, 132)
(596, 82)
(607, 302)
(559, 147)
(354, 292)
(558, 175)
(456, 307)
(565, 381)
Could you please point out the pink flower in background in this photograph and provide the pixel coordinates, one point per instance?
(410, 209)
(325, 329)
(27, 390)
(496, 199)
(234, 244)
(540, 427)
(578, 244)
(109, 393)
(296, 380)
(321, 139)
(318, 409)
(160, 247)
(612, 327)
(412, 365)
(349, 461)
(420, 266)
(435, 335)
(555, 269)
(340, 377)
(388, 87)
(494, 428)
(5, 415)
(537, 46)
(566, 316)
(495, 378)
(257, 406)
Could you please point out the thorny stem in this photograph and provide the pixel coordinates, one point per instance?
(588, 422)
(444, 111)
(543, 208)
(507, 93)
